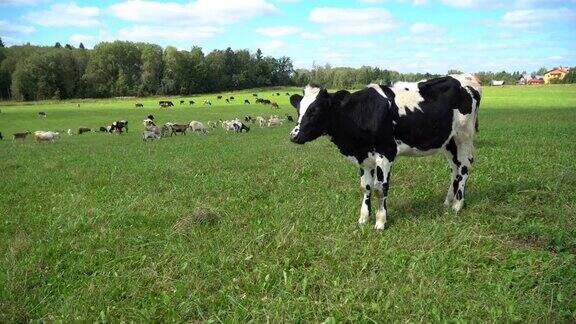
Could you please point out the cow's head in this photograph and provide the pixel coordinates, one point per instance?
(314, 112)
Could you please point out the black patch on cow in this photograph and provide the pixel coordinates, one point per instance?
(455, 186)
(368, 187)
(295, 101)
(471, 160)
(367, 202)
(475, 94)
(385, 187)
(372, 173)
(406, 89)
(359, 123)
(379, 174)
(459, 194)
(464, 169)
(451, 147)
(361, 172)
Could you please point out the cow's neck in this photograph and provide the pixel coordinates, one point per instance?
(345, 134)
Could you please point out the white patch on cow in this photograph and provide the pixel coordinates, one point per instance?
(404, 149)
(310, 94)
(407, 99)
(383, 163)
(378, 89)
(468, 80)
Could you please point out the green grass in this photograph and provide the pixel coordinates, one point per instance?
(239, 227)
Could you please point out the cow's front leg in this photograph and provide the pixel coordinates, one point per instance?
(366, 179)
(383, 167)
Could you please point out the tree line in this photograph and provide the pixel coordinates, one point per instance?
(122, 68)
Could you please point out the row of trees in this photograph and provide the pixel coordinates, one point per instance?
(350, 78)
(140, 69)
(132, 69)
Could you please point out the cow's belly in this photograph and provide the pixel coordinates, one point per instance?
(419, 134)
(406, 150)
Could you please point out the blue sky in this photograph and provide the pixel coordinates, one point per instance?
(403, 35)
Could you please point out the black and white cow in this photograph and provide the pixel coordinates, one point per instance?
(118, 126)
(375, 125)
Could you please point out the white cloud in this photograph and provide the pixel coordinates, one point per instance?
(414, 2)
(361, 44)
(308, 35)
(348, 21)
(505, 35)
(81, 38)
(90, 40)
(464, 3)
(529, 18)
(65, 15)
(278, 31)
(9, 41)
(491, 46)
(337, 59)
(200, 12)
(426, 28)
(272, 47)
(20, 2)
(483, 4)
(7, 28)
(556, 57)
(177, 33)
(426, 40)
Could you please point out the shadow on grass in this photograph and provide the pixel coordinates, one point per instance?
(498, 206)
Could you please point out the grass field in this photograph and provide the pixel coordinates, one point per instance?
(238, 227)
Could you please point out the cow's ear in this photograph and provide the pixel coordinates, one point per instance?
(295, 101)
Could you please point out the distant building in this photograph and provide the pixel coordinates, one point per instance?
(530, 79)
(556, 73)
(536, 81)
(497, 82)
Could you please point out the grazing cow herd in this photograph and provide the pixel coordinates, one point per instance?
(152, 131)
(371, 127)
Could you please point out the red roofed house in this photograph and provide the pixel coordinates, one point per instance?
(555, 73)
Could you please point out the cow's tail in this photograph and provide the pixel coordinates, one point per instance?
(476, 126)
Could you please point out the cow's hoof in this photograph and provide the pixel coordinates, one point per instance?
(380, 226)
(457, 206)
(363, 220)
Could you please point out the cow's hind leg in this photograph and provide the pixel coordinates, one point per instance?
(366, 182)
(460, 157)
(381, 183)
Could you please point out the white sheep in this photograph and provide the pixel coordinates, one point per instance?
(42, 136)
(197, 126)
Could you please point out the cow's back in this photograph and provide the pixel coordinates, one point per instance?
(426, 112)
